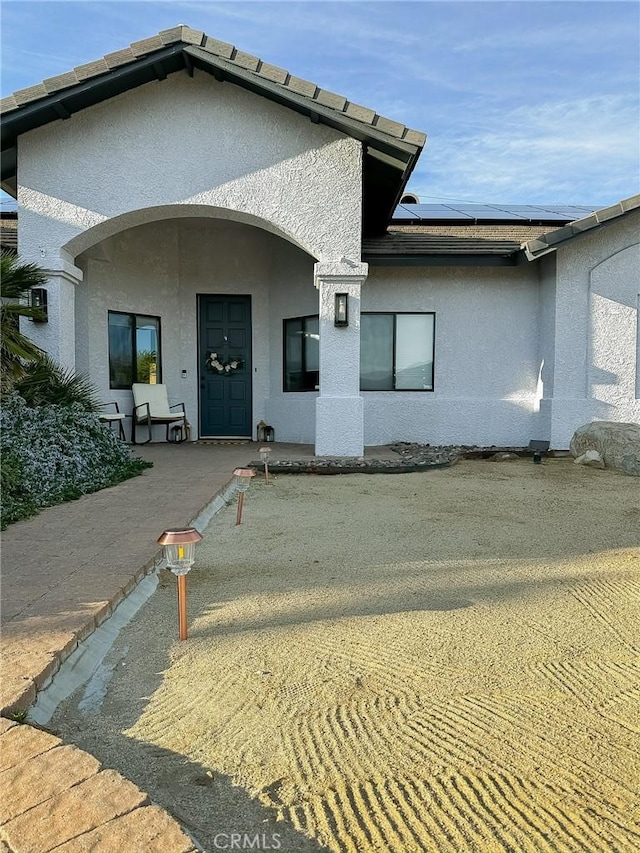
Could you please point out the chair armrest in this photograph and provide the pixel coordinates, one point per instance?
(141, 406)
(111, 403)
(175, 406)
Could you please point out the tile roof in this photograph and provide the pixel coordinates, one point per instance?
(263, 72)
(9, 232)
(421, 240)
(548, 242)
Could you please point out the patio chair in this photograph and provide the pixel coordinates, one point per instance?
(151, 406)
(111, 418)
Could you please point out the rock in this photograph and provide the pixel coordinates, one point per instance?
(503, 457)
(591, 458)
(617, 443)
(631, 464)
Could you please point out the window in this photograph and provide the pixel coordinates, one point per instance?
(301, 354)
(134, 349)
(396, 352)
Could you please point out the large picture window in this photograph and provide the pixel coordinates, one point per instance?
(396, 352)
(301, 354)
(134, 349)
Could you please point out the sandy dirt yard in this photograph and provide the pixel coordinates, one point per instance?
(444, 661)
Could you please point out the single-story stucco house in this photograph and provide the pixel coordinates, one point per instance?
(212, 222)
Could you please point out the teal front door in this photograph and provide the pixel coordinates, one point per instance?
(225, 366)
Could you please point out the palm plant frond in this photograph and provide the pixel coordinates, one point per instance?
(17, 278)
(16, 349)
(46, 382)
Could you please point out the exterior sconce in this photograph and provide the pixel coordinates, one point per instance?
(39, 302)
(243, 481)
(341, 311)
(264, 457)
(179, 545)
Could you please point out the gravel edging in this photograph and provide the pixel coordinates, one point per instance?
(410, 457)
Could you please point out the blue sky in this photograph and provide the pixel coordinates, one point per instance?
(525, 101)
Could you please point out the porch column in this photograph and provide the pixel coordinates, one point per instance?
(57, 336)
(339, 408)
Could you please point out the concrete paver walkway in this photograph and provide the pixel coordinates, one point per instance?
(63, 573)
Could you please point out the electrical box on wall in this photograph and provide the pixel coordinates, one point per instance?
(39, 301)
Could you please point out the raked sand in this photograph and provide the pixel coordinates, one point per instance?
(445, 661)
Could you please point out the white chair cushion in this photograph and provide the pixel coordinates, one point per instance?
(156, 397)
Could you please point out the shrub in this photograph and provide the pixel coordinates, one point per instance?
(56, 453)
(45, 382)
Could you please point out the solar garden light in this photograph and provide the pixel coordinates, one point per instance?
(538, 447)
(243, 481)
(179, 545)
(264, 456)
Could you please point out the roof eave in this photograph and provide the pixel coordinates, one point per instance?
(440, 260)
(394, 158)
(547, 243)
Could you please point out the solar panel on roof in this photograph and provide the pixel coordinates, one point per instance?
(402, 212)
(569, 211)
(487, 212)
(493, 213)
(438, 211)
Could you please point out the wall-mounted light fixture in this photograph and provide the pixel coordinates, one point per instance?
(39, 301)
(341, 313)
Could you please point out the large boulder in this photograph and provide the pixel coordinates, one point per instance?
(618, 444)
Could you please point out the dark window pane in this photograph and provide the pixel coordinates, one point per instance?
(134, 349)
(312, 344)
(376, 352)
(301, 354)
(120, 350)
(414, 352)
(293, 364)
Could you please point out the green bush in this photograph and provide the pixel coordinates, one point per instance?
(56, 453)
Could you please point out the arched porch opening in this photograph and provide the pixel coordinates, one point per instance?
(183, 283)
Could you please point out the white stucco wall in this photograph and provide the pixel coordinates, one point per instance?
(486, 355)
(160, 268)
(596, 329)
(547, 344)
(486, 351)
(188, 141)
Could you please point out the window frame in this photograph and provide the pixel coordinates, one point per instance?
(286, 390)
(394, 390)
(134, 352)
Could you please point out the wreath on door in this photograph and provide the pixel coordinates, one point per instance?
(214, 363)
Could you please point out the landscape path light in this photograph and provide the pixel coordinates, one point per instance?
(264, 457)
(243, 481)
(179, 545)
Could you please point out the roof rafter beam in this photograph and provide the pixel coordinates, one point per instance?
(387, 158)
(161, 74)
(61, 110)
(188, 63)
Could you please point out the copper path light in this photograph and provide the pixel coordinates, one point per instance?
(264, 457)
(243, 481)
(179, 545)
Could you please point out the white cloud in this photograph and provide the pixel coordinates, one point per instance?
(550, 152)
